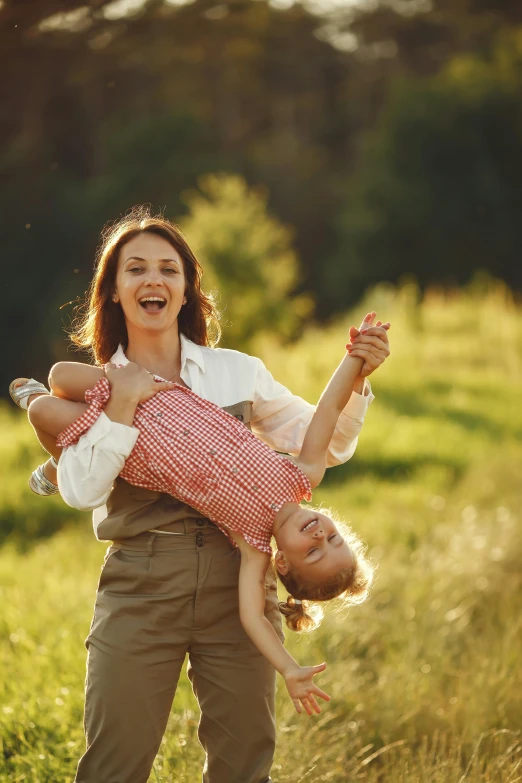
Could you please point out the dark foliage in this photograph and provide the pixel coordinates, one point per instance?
(107, 112)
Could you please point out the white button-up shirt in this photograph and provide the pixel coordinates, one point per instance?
(87, 470)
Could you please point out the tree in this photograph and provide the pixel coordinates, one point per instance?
(437, 194)
(247, 255)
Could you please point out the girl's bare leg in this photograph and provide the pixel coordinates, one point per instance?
(70, 380)
(49, 416)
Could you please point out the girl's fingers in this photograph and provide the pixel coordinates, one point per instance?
(379, 329)
(315, 706)
(297, 705)
(306, 705)
(321, 694)
(368, 320)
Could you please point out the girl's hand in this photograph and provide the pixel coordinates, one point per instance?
(301, 688)
(370, 343)
(134, 383)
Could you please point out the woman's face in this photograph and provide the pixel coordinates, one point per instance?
(150, 283)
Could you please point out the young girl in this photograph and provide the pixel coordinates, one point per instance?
(190, 448)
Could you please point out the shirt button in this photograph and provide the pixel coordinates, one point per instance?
(274, 506)
(213, 452)
(159, 415)
(234, 470)
(185, 432)
(255, 487)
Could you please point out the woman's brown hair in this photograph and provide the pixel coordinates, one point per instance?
(100, 323)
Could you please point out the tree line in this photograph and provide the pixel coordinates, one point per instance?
(371, 144)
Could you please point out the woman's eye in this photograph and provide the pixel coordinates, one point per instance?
(136, 269)
(334, 535)
(311, 551)
(170, 269)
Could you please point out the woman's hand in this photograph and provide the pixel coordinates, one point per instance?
(371, 344)
(134, 383)
(299, 681)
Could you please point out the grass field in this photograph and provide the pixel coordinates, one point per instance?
(426, 677)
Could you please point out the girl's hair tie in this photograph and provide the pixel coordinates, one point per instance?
(297, 601)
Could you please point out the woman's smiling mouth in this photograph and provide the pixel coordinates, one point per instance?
(309, 525)
(152, 304)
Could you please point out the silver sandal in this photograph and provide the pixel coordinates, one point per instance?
(20, 392)
(40, 484)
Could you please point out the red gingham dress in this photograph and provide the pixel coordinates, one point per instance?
(190, 448)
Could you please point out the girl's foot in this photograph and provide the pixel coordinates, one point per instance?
(24, 390)
(50, 470)
(44, 479)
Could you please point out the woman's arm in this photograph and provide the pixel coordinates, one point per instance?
(87, 470)
(299, 679)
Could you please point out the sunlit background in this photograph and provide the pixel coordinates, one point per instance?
(323, 158)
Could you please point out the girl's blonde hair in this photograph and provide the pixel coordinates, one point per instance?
(350, 585)
(100, 323)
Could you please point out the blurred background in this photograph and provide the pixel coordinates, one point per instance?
(324, 158)
(321, 146)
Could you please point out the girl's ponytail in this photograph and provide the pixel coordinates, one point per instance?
(299, 615)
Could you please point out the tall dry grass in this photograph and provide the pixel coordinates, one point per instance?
(425, 677)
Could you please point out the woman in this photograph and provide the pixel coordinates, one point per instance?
(168, 587)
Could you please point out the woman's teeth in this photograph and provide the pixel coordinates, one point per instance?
(153, 303)
(308, 526)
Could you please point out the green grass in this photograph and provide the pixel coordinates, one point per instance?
(426, 677)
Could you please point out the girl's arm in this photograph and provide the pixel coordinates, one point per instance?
(71, 380)
(313, 457)
(299, 679)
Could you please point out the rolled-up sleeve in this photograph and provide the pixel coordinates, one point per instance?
(281, 419)
(87, 470)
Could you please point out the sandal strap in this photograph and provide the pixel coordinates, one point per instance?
(40, 484)
(20, 394)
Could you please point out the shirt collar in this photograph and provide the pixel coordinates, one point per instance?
(189, 351)
(192, 351)
(119, 357)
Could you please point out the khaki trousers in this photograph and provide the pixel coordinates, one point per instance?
(162, 597)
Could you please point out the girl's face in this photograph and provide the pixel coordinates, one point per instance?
(310, 544)
(150, 283)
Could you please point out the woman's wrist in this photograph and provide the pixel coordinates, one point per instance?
(121, 407)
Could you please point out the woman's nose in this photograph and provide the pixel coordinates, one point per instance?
(318, 534)
(153, 277)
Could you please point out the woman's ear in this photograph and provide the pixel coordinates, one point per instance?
(280, 563)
